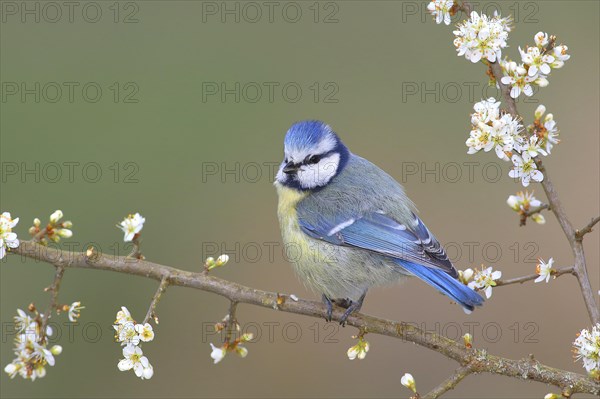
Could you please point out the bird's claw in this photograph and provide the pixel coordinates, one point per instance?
(354, 307)
(329, 306)
(348, 304)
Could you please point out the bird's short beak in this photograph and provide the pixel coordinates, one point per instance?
(290, 168)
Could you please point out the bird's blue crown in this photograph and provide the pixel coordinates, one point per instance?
(307, 134)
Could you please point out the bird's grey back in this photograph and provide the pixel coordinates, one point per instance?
(361, 187)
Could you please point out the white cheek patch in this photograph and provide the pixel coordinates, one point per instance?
(319, 174)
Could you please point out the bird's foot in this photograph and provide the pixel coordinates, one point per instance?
(352, 308)
(329, 306)
(348, 304)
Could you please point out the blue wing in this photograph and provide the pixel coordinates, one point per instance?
(413, 247)
(379, 233)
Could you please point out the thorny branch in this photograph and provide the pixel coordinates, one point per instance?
(479, 360)
(151, 314)
(519, 280)
(587, 228)
(526, 214)
(450, 383)
(52, 306)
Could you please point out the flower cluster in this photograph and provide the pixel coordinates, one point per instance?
(544, 270)
(31, 351)
(54, 230)
(131, 226)
(492, 129)
(442, 10)
(537, 63)
(482, 37)
(218, 353)
(543, 136)
(8, 239)
(587, 348)
(523, 202)
(482, 280)
(130, 334)
(359, 351)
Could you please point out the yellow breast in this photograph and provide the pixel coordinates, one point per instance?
(288, 218)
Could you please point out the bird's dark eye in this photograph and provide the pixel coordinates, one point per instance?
(313, 159)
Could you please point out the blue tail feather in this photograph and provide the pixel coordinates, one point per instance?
(446, 284)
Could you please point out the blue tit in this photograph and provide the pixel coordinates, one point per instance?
(348, 226)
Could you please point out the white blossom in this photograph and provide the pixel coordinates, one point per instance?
(482, 37)
(541, 39)
(533, 147)
(587, 348)
(524, 168)
(485, 279)
(409, 382)
(123, 316)
(523, 201)
(145, 331)
(131, 226)
(560, 56)
(127, 335)
(440, 9)
(465, 275)
(74, 311)
(8, 239)
(544, 270)
(217, 354)
(518, 78)
(537, 61)
(134, 359)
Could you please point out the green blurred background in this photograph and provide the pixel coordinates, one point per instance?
(199, 168)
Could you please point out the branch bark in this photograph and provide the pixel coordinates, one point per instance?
(450, 383)
(151, 314)
(522, 279)
(53, 288)
(587, 228)
(479, 360)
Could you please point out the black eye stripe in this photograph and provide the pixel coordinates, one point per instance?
(312, 159)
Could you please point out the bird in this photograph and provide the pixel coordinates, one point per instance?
(348, 226)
